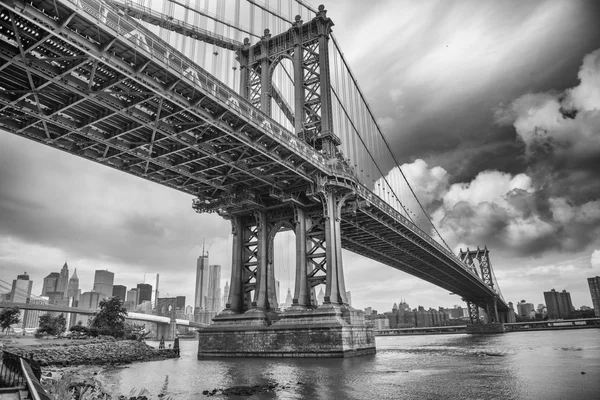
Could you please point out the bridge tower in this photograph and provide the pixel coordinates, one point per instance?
(313, 213)
(483, 313)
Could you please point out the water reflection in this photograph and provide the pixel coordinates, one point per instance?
(520, 365)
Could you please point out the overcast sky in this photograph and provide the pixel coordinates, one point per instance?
(493, 107)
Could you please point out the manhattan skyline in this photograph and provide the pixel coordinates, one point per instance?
(492, 108)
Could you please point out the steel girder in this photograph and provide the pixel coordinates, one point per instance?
(83, 79)
(71, 98)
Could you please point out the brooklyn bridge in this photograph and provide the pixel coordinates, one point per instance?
(272, 133)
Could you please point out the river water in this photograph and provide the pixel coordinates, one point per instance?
(518, 365)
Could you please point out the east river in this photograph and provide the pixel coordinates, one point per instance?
(520, 365)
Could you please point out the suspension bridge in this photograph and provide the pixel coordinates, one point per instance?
(251, 108)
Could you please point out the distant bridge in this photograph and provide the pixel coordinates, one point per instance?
(74, 310)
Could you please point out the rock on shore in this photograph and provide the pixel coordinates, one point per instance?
(93, 352)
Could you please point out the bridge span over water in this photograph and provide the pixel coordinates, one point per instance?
(291, 144)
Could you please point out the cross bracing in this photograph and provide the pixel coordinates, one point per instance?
(80, 77)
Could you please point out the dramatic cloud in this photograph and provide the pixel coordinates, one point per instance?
(561, 133)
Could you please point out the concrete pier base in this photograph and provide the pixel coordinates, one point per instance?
(476, 329)
(321, 332)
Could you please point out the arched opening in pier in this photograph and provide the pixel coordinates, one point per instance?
(282, 92)
(284, 266)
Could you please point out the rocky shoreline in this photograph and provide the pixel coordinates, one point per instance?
(91, 352)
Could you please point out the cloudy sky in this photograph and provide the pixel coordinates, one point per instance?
(493, 107)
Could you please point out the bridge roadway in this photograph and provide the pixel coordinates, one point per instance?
(74, 310)
(90, 81)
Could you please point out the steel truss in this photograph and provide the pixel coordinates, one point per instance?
(80, 77)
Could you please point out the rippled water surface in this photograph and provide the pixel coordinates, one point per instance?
(520, 365)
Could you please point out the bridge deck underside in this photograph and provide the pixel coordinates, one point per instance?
(90, 88)
(376, 235)
(131, 112)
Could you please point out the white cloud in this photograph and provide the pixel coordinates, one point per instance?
(595, 259)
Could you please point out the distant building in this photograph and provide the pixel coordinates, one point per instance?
(144, 292)
(349, 298)
(63, 280)
(558, 304)
(20, 291)
(73, 286)
(189, 310)
(50, 283)
(132, 296)
(321, 296)
(213, 302)
(180, 302)
(90, 300)
(32, 317)
(201, 294)
(288, 299)
(526, 310)
(120, 291)
(103, 282)
(594, 284)
(226, 294)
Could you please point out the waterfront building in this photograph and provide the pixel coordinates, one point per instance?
(213, 302)
(526, 310)
(103, 282)
(63, 280)
(381, 323)
(144, 293)
(594, 284)
(201, 294)
(90, 300)
(73, 286)
(50, 283)
(120, 291)
(558, 304)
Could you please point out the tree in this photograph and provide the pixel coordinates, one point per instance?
(111, 317)
(50, 325)
(9, 316)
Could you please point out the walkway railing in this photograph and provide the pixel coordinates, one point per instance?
(20, 372)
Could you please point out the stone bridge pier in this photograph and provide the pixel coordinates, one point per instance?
(252, 324)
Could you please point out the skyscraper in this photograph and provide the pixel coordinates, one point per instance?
(20, 291)
(120, 291)
(103, 283)
(559, 304)
(50, 283)
(144, 292)
(226, 295)
(200, 297)
(594, 284)
(73, 287)
(214, 288)
(63, 280)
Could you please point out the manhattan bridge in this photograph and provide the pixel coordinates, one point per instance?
(251, 108)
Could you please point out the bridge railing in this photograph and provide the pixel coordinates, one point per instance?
(177, 62)
(384, 206)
